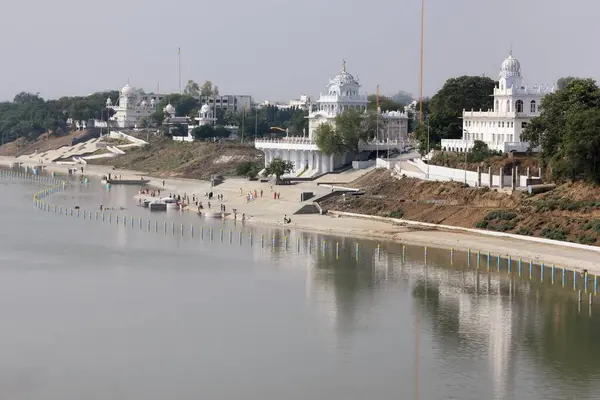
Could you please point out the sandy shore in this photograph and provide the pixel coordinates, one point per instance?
(266, 210)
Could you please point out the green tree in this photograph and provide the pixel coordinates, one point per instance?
(567, 142)
(446, 106)
(279, 167)
(215, 91)
(206, 89)
(402, 97)
(222, 132)
(185, 105)
(248, 169)
(564, 81)
(385, 103)
(204, 132)
(192, 88)
(352, 128)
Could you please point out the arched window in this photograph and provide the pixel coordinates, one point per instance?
(507, 105)
(532, 106)
(497, 105)
(519, 106)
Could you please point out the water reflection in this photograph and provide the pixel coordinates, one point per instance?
(483, 333)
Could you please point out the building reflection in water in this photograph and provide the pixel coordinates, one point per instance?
(495, 315)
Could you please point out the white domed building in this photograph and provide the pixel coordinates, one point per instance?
(343, 92)
(130, 108)
(515, 104)
(205, 117)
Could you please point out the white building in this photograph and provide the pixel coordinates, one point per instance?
(342, 94)
(130, 108)
(205, 117)
(233, 103)
(514, 106)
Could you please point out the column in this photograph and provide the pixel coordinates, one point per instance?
(310, 160)
(490, 177)
(528, 173)
(501, 178)
(539, 172)
(318, 161)
(517, 177)
(512, 179)
(478, 176)
(331, 162)
(297, 157)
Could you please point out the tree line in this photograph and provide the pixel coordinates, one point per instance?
(29, 115)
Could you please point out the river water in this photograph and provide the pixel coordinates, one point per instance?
(99, 310)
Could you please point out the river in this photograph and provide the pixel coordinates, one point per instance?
(101, 310)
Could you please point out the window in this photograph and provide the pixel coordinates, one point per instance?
(507, 105)
(497, 105)
(523, 125)
(519, 106)
(532, 106)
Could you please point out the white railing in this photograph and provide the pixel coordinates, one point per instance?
(289, 140)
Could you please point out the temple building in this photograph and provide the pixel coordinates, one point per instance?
(515, 104)
(205, 117)
(130, 108)
(343, 93)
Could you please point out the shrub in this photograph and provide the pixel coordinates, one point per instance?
(397, 213)
(482, 224)
(554, 233)
(585, 239)
(501, 215)
(525, 231)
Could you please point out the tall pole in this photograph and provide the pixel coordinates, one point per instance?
(179, 66)
(377, 110)
(421, 75)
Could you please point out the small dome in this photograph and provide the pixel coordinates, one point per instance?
(127, 90)
(108, 102)
(510, 67)
(169, 109)
(344, 77)
(143, 103)
(205, 108)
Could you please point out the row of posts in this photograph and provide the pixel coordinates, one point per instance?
(60, 185)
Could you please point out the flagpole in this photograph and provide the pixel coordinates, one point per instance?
(421, 75)
(377, 111)
(179, 66)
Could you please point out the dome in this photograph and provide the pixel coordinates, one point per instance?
(108, 102)
(127, 90)
(169, 109)
(205, 109)
(344, 78)
(510, 67)
(143, 104)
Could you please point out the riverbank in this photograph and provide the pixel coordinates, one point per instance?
(266, 210)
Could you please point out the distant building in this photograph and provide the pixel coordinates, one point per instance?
(342, 94)
(205, 117)
(500, 128)
(130, 108)
(233, 103)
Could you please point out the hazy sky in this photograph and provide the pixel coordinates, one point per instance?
(277, 49)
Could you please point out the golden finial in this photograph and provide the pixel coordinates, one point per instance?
(343, 65)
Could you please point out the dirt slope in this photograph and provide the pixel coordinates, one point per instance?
(198, 160)
(571, 212)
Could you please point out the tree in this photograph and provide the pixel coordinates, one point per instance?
(204, 132)
(352, 128)
(222, 132)
(279, 167)
(564, 81)
(567, 142)
(446, 106)
(192, 88)
(385, 103)
(206, 89)
(403, 97)
(215, 91)
(185, 104)
(248, 169)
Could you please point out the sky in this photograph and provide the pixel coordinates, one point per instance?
(278, 49)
